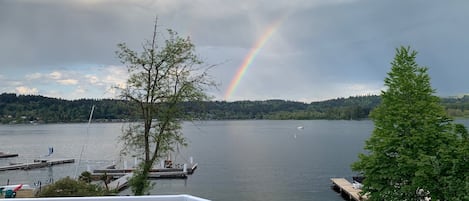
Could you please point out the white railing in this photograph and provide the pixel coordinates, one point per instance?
(121, 198)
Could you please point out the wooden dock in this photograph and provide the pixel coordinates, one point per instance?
(157, 171)
(151, 175)
(7, 155)
(120, 183)
(346, 189)
(124, 175)
(39, 163)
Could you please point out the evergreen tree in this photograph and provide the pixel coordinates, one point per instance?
(415, 150)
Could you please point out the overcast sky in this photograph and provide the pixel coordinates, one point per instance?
(321, 50)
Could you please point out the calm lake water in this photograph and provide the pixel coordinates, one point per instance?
(238, 160)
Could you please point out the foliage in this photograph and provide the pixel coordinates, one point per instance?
(68, 187)
(139, 182)
(161, 79)
(415, 150)
(341, 108)
(457, 106)
(85, 177)
(38, 109)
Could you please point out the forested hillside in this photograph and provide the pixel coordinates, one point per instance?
(29, 108)
(38, 109)
(457, 107)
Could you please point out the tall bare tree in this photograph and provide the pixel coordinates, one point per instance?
(161, 78)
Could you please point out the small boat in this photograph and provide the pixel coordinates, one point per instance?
(357, 182)
(10, 190)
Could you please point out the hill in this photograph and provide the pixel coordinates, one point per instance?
(39, 109)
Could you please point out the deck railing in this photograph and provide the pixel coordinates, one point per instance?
(121, 198)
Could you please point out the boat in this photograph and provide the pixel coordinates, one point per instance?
(10, 191)
(357, 182)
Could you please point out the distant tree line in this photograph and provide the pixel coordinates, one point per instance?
(457, 107)
(39, 109)
(342, 108)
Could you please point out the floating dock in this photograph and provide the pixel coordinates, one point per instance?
(39, 163)
(346, 189)
(7, 155)
(158, 171)
(151, 175)
(123, 175)
(120, 183)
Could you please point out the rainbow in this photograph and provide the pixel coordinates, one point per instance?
(248, 60)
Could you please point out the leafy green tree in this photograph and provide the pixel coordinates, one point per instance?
(415, 150)
(161, 79)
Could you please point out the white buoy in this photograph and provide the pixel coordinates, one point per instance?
(184, 169)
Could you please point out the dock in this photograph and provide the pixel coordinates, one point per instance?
(151, 175)
(120, 183)
(123, 179)
(39, 163)
(346, 189)
(123, 175)
(156, 171)
(7, 155)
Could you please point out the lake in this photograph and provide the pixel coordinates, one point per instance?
(238, 160)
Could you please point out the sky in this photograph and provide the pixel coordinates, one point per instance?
(299, 50)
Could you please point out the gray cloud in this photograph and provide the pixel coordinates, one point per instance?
(322, 49)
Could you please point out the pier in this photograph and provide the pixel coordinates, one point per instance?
(123, 175)
(346, 189)
(39, 163)
(120, 183)
(7, 155)
(111, 171)
(151, 175)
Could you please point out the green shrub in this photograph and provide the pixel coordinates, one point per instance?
(68, 187)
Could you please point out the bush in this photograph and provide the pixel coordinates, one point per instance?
(68, 187)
